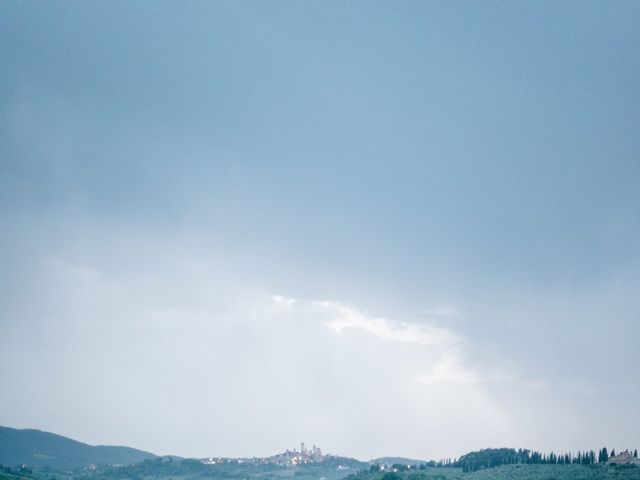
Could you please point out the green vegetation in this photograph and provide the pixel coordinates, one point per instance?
(167, 468)
(20, 473)
(45, 456)
(510, 472)
(494, 457)
(189, 469)
(40, 449)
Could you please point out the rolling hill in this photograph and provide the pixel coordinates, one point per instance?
(39, 449)
(395, 460)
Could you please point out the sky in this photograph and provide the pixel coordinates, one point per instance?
(384, 228)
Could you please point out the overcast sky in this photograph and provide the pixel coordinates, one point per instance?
(386, 228)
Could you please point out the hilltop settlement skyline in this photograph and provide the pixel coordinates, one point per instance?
(28, 448)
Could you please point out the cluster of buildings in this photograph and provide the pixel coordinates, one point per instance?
(294, 457)
(624, 458)
(290, 457)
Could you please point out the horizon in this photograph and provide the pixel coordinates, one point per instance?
(303, 449)
(390, 228)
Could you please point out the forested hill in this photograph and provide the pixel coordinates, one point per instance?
(39, 449)
(395, 461)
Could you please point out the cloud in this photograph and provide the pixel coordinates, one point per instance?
(281, 300)
(443, 311)
(349, 317)
(448, 345)
(180, 341)
(450, 369)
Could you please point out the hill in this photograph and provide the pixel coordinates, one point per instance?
(511, 472)
(395, 461)
(40, 449)
(166, 468)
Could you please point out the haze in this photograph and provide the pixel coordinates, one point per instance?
(406, 228)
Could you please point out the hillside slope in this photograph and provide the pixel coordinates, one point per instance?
(512, 472)
(39, 449)
(395, 460)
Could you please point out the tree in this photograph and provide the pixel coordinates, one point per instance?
(603, 456)
(635, 453)
(391, 476)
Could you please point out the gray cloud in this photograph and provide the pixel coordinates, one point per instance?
(231, 227)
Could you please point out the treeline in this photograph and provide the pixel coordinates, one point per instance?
(15, 473)
(494, 457)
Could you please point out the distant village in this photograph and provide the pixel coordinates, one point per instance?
(625, 458)
(314, 455)
(290, 457)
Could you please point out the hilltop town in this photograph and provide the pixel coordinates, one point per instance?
(288, 458)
